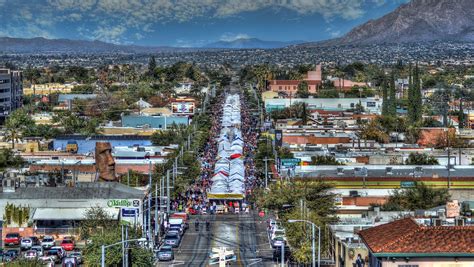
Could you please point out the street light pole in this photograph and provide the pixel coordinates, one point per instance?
(150, 192)
(313, 248)
(103, 247)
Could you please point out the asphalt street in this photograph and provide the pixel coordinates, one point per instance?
(245, 234)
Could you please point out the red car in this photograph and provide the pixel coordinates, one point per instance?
(12, 239)
(67, 244)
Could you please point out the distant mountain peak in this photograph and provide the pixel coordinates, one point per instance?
(418, 21)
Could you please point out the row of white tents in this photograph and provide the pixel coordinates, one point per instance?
(229, 170)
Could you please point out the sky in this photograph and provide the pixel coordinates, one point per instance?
(187, 23)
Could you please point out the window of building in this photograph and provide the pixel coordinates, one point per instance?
(279, 88)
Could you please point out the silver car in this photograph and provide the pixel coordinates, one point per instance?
(166, 253)
(48, 242)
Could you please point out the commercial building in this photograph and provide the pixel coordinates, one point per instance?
(370, 104)
(65, 207)
(289, 87)
(406, 243)
(11, 92)
(154, 122)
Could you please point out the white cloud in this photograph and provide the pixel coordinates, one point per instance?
(140, 15)
(229, 37)
(112, 34)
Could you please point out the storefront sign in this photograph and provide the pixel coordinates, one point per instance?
(123, 203)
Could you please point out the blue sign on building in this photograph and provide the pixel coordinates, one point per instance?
(129, 212)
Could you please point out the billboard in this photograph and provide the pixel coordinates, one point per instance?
(278, 138)
(182, 107)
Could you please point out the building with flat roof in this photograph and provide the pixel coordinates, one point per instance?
(11, 92)
(370, 104)
(66, 206)
(153, 122)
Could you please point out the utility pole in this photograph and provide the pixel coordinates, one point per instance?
(149, 201)
(283, 255)
(266, 172)
(123, 247)
(157, 225)
(168, 197)
(126, 247)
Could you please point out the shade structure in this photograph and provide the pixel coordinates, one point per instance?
(229, 171)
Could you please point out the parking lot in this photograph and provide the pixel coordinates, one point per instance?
(48, 249)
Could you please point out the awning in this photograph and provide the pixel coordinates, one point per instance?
(68, 214)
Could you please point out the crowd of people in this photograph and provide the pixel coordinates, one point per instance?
(195, 200)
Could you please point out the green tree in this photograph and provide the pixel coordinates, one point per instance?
(419, 197)
(151, 66)
(100, 229)
(285, 198)
(414, 96)
(324, 160)
(304, 114)
(9, 160)
(16, 124)
(421, 159)
(302, 90)
(386, 102)
(392, 96)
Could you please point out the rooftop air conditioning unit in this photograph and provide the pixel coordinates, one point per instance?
(340, 171)
(353, 193)
(9, 185)
(459, 221)
(437, 222)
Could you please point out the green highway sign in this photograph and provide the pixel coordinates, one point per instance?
(290, 162)
(407, 184)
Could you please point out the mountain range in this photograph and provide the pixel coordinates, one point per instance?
(416, 21)
(247, 43)
(43, 45)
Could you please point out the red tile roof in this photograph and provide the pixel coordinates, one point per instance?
(406, 236)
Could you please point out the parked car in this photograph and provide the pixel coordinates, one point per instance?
(69, 262)
(172, 239)
(68, 244)
(31, 255)
(27, 242)
(277, 232)
(54, 255)
(48, 242)
(165, 253)
(278, 241)
(77, 255)
(11, 254)
(61, 249)
(12, 239)
(38, 249)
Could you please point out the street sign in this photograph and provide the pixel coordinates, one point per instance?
(407, 184)
(290, 162)
(129, 212)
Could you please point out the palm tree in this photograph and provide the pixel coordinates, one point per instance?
(15, 124)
